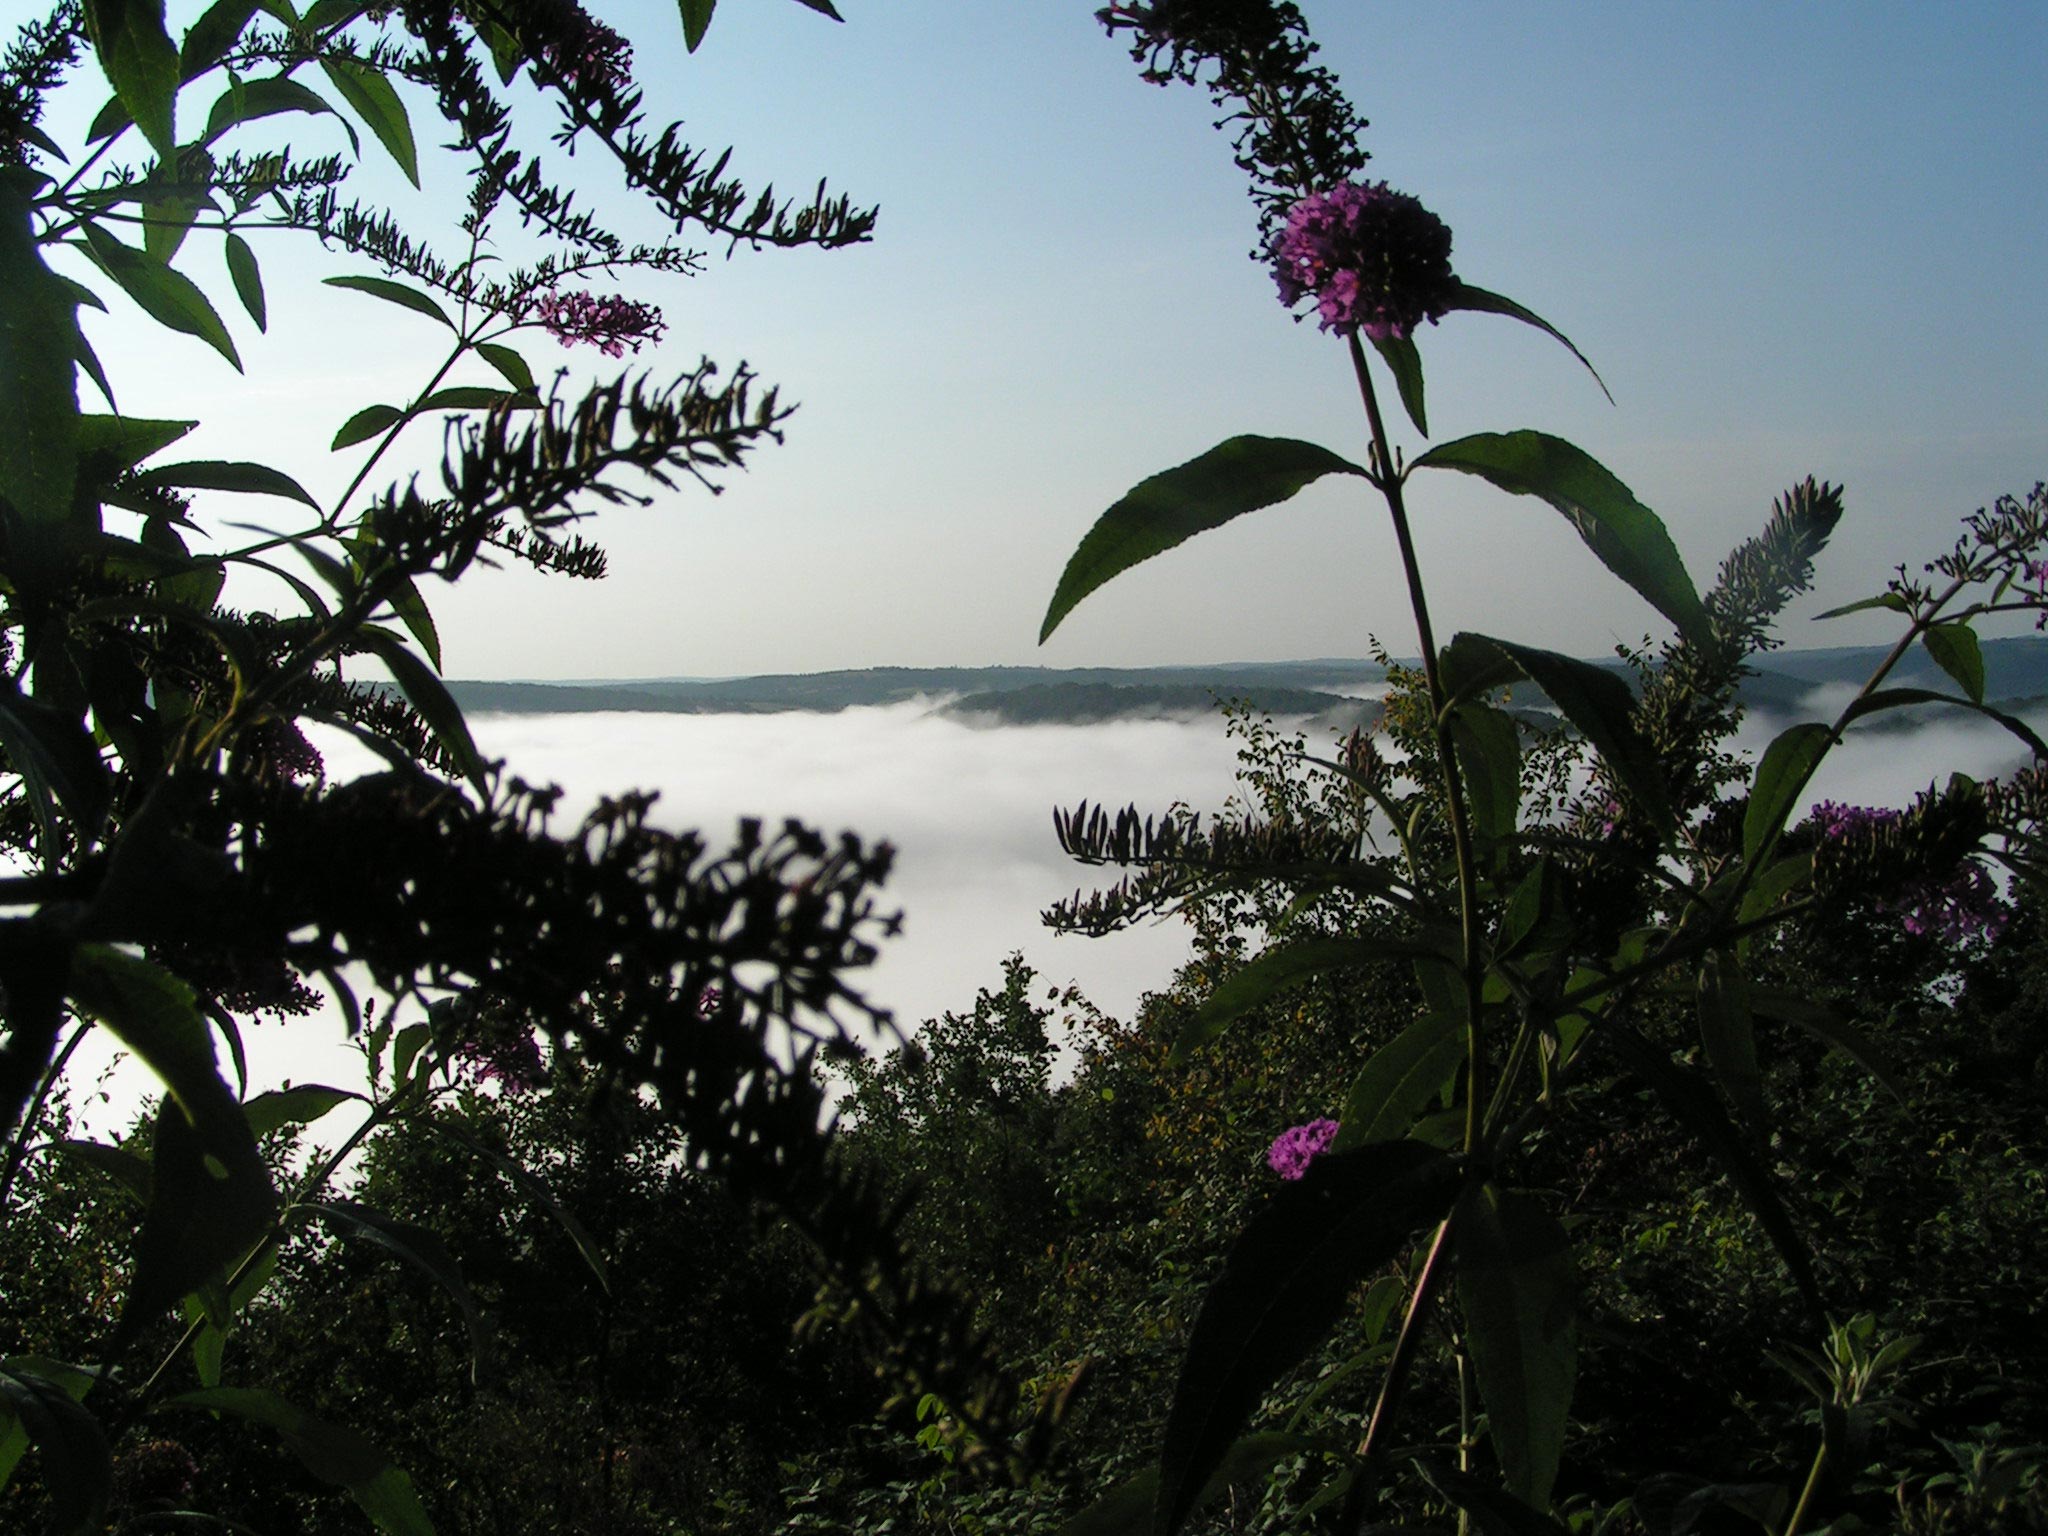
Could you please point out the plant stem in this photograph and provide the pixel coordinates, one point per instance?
(1820, 1457)
(1427, 1284)
(1390, 483)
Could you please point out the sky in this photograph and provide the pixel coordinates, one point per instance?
(1794, 239)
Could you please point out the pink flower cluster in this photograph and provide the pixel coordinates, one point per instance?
(1958, 906)
(610, 324)
(593, 55)
(1298, 1146)
(1372, 258)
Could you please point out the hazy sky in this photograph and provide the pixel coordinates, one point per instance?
(1795, 239)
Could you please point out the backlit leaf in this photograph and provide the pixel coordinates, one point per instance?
(696, 18)
(1955, 650)
(163, 293)
(39, 342)
(366, 424)
(1404, 361)
(1400, 1079)
(377, 103)
(1629, 539)
(1282, 1288)
(1231, 479)
(392, 292)
(141, 63)
(1787, 766)
(1519, 1293)
(248, 280)
(1479, 301)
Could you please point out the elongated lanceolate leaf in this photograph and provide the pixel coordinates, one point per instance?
(78, 1469)
(163, 293)
(531, 1183)
(1280, 970)
(1519, 1293)
(1404, 362)
(1896, 698)
(1400, 1078)
(209, 38)
(394, 293)
(379, 105)
(1128, 1506)
(1788, 764)
(1282, 1289)
(1831, 1029)
(429, 695)
(1231, 479)
(696, 18)
(247, 101)
(39, 342)
(331, 1452)
(1479, 301)
(229, 475)
(58, 761)
(1600, 707)
(1629, 539)
(303, 1105)
(508, 362)
(424, 1251)
(1955, 650)
(366, 424)
(1693, 1104)
(1488, 746)
(141, 63)
(1728, 1034)
(248, 280)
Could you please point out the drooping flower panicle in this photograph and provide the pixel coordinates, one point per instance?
(611, 324)
(1298, 1146)
(1954, 907)
(1372, 258)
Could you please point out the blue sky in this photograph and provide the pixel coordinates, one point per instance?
(1795, 239)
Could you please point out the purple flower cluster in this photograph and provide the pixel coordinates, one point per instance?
(1372, 258)
(610, 324)
(1298, 1146)
(1954, 907)
(511, 1059)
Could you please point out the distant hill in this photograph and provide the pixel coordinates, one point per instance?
(1330, 691)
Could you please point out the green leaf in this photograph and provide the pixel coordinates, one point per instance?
(208, 39)
(112, 445)
(1126, 1507)
(1519, 1293)
(413, 612)
(430, 697)
(425, 1252)
(247, 101)
(1629, 539)
(78, 1469)
(303, 1105)
(531, 1183)
(1831, 1029)
(141, 63)
(468, 397)
(377, 103)
(58, 761)
(1955, 650)
(1404, 362)
(1895, 698)
(128, 1169)
(696, 17)
(1488, 745)
(39, 342)
(1493, 1511)
(365, 424)
(1599, 706)
(248, 280)
(1728, 1034)
(166, 295)
(210, 1197)
(1278, 970)
(1283, 1287)
(1231, 479)
(229, 475)
(509, 363)
(1787, 767)
(1891, 600)
(1400, 1079)
(1694, 1105)
(401, 294)
(822, 7)
(331, 1452)
(1479, 301)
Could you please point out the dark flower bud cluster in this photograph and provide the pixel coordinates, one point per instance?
(1372, 258)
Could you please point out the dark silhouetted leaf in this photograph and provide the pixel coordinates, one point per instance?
(229, 475)
(141, 63)
(1480, 301)
(1404, 362)
(696, 18)
(39, 341)
(377, 103)
(331, 1452)
(166, 295)
(1629, 539)
(248, 280)
(78, 1469)
(1279, 970)
(394, 293)
(1400, 1078)
(1488, 745)
(366, 424)
(1231, 479)
(1955, 650)
(1519, 1293)
(429, 695)
(1282, 1289)
(424, 1251)
(1787, 765)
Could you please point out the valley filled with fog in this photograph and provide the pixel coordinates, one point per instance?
(968, 807)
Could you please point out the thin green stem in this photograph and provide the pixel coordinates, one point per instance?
(1434, 1270)
(1820, 1457)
